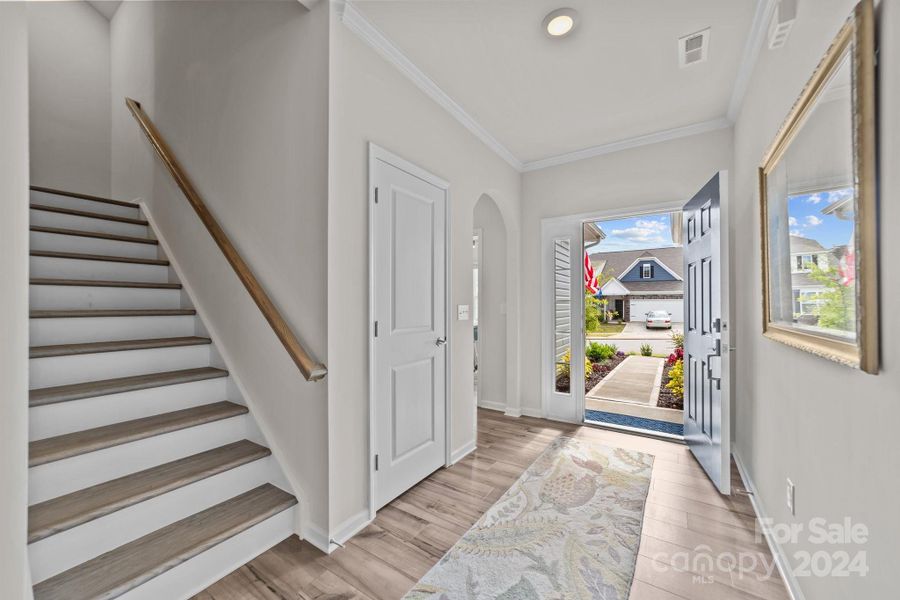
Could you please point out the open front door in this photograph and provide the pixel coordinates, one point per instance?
(707, 409)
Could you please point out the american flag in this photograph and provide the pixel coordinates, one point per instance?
(590, 280)
(847, 264)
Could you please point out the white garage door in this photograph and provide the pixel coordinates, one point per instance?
(639, 308)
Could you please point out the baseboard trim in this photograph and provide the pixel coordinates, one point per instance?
(351, 527)
(537, 413)
(316, 537)
(778, 554)
(460, 453)
(493, 406)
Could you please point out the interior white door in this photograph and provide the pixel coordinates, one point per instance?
(706, 362)
(410, 343)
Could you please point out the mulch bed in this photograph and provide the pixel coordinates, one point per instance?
(605, 367)
(666, 398)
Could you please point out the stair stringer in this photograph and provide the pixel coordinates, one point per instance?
(220, 358)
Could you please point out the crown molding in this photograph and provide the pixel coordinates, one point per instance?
(626, 144)
(755, 40)
(357, 22)
(362, 27)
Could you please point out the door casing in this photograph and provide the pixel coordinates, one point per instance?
(571, 226)
(377, 153)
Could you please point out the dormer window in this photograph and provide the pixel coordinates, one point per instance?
(647, 271)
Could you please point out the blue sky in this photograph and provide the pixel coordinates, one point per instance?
(635, 233)
(806, 218)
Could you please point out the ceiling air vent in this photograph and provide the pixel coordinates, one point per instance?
(693, 49)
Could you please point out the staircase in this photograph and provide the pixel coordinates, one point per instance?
(148, 477)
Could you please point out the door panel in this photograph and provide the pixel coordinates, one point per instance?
(409, 350)
(706, 385)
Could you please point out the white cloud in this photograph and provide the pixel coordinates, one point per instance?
(797, 232)
(812, 221)
(792, 221)
(653, 225)
(644, 235)
(815, 199)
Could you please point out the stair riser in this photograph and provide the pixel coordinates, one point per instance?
(59, 242)
(87, 205)
(68, 475)
(82, 297)
(45, 218)
(194, 576)
(69, 548)
(68, 268)
(78, 415)
(80, 368)
(45, 332)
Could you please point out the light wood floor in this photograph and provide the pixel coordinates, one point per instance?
(411, 534)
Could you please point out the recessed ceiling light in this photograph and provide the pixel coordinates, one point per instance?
(560, 22)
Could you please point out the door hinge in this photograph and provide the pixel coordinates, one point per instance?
(376, 462)
(376, 195)
(376, 328)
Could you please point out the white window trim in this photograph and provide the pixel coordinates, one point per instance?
(646, 271)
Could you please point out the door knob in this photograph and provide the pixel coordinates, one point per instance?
(440, 341)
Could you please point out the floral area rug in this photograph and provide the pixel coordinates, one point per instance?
(570, 527)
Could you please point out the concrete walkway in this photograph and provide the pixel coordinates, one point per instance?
(636, 379)
(632, 389)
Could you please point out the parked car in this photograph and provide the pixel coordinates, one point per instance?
(659, 319)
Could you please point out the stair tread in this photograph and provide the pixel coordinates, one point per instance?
(112, 574)
(104, 283)
(88, 389)
(93, 234)
(111, 312)
(63, 513)
(115, 346)
(38, 188)
(87, 213)
(100, 257)
(81, 442)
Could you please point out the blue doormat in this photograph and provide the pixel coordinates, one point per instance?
(600, 416)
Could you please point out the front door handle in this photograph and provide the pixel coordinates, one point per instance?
(440, 341)
(716, 352)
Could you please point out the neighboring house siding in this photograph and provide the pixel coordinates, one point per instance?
(659, 272)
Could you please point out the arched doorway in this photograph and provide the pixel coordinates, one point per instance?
(489, 304)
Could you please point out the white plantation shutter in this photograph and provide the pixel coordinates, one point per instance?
(562, 296)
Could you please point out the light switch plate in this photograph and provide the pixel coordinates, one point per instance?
(462, 312)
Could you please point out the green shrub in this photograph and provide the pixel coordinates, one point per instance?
(592, 313)
(646, 350)
(676, 379)
(678, 340)
(563, 366)
(598, 352)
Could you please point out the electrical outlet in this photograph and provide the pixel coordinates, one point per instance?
(790, 496)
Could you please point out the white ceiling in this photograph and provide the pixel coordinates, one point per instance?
(615, 78)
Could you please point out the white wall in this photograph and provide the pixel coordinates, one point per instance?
(15, 581)
(831, 429)
(69, 83)
(240, 92)
(671, 171)
(372, 101)
(492, 304)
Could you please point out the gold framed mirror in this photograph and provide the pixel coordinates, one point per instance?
(817, 189)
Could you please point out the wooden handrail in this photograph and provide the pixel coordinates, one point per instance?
(312, 370)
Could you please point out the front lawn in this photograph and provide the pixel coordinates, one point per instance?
(607, 329)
